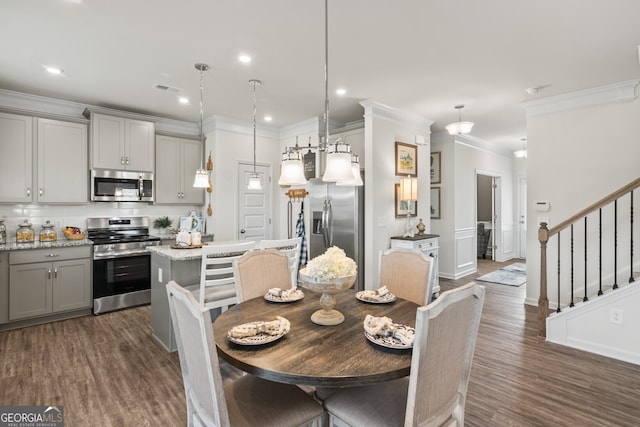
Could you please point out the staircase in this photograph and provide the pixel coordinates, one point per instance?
(587, 263)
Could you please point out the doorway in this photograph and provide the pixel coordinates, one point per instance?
(254, 206)
(488, 215)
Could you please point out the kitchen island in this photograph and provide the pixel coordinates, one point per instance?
(167, 264)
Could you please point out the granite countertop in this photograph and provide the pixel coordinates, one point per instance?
(62, 243)
(186, 254)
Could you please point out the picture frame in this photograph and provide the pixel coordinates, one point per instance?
(434, 210)
(403, 207)
(436, 176)
(406, 159)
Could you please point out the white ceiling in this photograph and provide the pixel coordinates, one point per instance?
(422, 56)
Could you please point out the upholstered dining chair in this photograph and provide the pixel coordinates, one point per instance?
(247, 401)
(260, 270)
(434, 394)
(291, 248)
(217, 287)
(408, 274)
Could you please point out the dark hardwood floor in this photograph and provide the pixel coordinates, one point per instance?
(106, 370)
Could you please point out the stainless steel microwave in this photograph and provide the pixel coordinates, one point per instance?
(121, 186)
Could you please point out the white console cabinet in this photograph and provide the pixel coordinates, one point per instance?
(427, 243)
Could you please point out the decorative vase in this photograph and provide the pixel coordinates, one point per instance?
(327, 316)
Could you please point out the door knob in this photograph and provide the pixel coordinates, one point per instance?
(242, 231)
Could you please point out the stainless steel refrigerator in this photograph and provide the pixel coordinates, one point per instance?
(337, 219)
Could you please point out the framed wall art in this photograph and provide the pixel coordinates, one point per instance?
(406, 159)
(435, 203)
(435, 168)
(404, 207)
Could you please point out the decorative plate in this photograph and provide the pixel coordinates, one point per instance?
(258, 339)
(295, 296)
(384, 299)
(391, 341)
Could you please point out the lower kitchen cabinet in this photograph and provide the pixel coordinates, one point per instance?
(39, 286)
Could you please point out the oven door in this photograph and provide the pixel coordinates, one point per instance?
(121, 282)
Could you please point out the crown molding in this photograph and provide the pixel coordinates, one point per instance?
(616, 92)
(219, 123)
(375, 108)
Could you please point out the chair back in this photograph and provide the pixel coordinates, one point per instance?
(198, 358)
(291, 248)
(446, 332)
(217, 279)
(407, 273)
(260, 270)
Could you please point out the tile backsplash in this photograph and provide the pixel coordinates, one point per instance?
(76, 215)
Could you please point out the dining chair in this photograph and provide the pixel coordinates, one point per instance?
(434, 393)
(408, 274)
(291, 248)
(217, 287)
(247, 401)
(260, 270)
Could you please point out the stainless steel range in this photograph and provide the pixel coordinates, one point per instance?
(121, 262)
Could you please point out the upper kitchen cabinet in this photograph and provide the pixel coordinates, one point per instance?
(16, 172)
(121, 143)
(62, 162)
(177, 159)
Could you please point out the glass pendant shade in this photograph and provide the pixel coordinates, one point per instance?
(459, 128)
(202, 179)
(338, 166)
(254, 182)
(520, 154)
(292, 169)
(356, 179)
(409, 189)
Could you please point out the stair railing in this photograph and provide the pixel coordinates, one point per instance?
(545, 233)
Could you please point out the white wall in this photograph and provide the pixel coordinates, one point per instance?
(581, 147)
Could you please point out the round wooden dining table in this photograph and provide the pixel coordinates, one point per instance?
(314, 355)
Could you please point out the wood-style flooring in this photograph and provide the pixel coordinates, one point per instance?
(107, 371)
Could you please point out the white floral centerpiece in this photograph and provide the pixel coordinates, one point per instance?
(329, 273)
(330, 265)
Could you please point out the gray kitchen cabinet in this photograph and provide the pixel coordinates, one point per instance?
(62, 162)
(40, 286)
(177, 160)
(16, 161)
(121, 143)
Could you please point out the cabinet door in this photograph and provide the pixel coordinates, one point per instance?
(107, 142)
(29, 290)
(62, 162)
(139, 145)
(168, 181)
(16, 146)
(191, 161)
(71, 285)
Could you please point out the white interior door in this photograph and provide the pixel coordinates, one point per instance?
(254, 206)
(522, 217)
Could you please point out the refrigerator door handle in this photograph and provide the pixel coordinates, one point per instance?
(323, 226)
(329, 224)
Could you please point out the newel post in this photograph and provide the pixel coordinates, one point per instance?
(543, 301)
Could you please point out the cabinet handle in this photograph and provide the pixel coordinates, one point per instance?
(122, 160)
(52, 255)
(127, 160)
(28, 192)
(49, 274)
(55, 273)
(41, 192)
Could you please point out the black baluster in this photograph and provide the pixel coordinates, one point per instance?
(558, 309)
(571, 303)
(585, 298)
(631, 279)
(600, 252)
(615, 244)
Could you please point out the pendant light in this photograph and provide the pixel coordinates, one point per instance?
(202, 176)
(355, 170)
(521, 154)
(339, 159)
(254, 177)
(459, 127)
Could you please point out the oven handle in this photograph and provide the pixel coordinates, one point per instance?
(136, 252)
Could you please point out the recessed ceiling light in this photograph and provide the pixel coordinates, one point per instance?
(268, 118)
(183, 100)
(53, 70)
(341, 91)
(245, 59)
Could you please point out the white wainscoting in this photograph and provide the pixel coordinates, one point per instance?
(505, 253)
(465, 245)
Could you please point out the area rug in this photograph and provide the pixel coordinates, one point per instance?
(511, 275)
